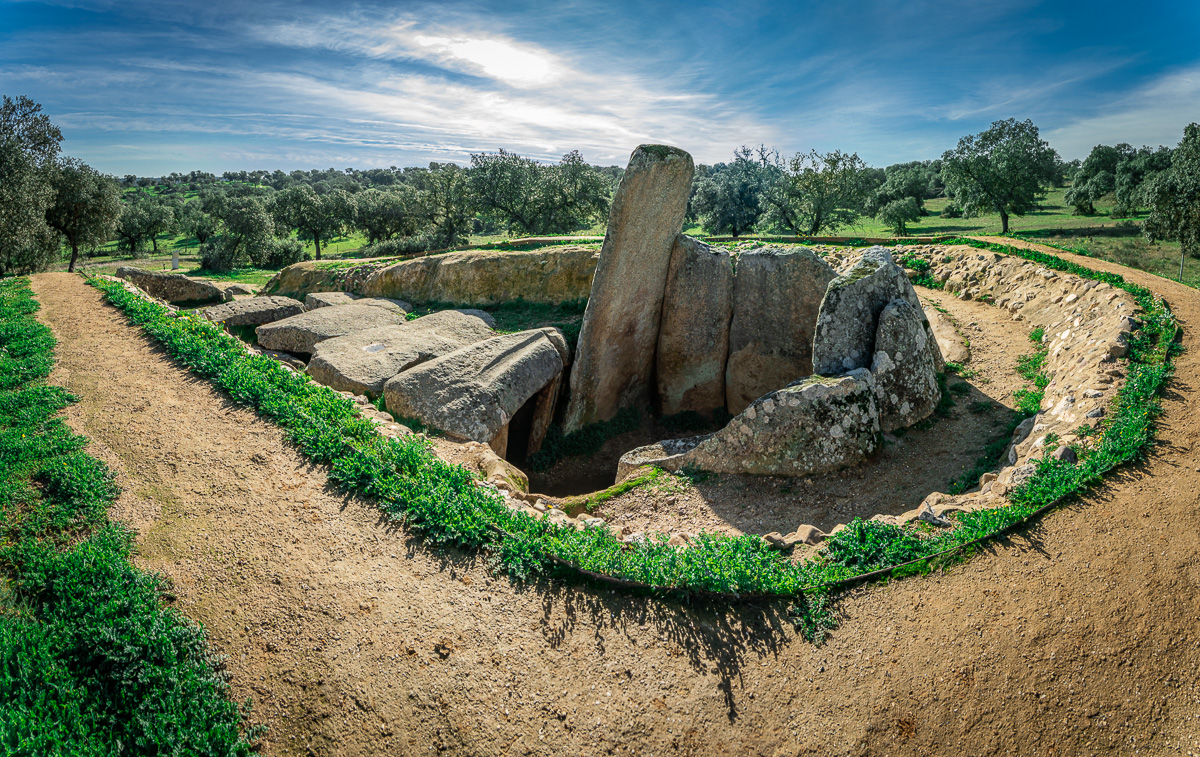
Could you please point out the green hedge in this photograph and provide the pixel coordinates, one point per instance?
(90, 660)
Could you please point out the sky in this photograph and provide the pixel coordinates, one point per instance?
(148, 88)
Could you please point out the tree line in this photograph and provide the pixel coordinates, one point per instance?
(49, 203)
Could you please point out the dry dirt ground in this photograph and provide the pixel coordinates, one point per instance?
(1077, 637)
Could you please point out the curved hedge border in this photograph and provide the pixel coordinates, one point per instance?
(90, 660)
(445, 501)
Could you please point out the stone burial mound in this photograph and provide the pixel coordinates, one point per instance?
(799, 363)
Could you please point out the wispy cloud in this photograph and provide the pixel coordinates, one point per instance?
(1152, 115)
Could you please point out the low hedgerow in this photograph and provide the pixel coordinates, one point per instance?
(91, 662)
(448, 505)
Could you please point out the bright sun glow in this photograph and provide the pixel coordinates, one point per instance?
(499, 60)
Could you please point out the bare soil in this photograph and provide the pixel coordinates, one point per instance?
(921, 460)
(1078, 636)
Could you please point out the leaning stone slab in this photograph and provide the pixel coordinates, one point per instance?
(845, 334)
(814, 425)
(172, 287)
(315, 300)
(254, 311)
(615, 363)
(473, 392)
(363, 362)
(906, 387)
(301, 333)
(693, 340)
(777, 296)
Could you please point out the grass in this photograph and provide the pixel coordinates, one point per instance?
(91, 661)
(446, 504)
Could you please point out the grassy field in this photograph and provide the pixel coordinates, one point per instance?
(1101, 236)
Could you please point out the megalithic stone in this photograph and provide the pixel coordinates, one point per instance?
(693, 341)
(776, 297)
(616, 355)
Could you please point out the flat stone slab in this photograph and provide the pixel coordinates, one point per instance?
(301, 333)
(315, 300)
(474, 392)
(777, 296)
(172, 287)
(954, 347)
(693, 339)
(813, 426)
(254, 311)
(363, 362)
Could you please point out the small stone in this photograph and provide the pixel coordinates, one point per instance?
(775, 539)
(1097, 413)
(678, 539)
(987, 478)
(807, 534)
(926, 513)
(1065, 453)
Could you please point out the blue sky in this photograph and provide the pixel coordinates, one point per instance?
(154, 87)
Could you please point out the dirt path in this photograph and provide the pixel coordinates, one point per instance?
(1079, 637)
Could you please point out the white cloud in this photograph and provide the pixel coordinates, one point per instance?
(1153, 115)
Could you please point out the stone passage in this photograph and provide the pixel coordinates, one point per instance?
(254, 311)
(172, 287)
(301, 333)
(615, 365)
(474, 392)
(362, 362)
(693, 340)
(777, 295)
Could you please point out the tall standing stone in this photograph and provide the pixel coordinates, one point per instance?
(616, 354)
(777, 295)
(906, 386)
(693, 341)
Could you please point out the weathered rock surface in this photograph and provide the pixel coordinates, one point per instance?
(777, 297)
(315, 300)
(301, 333)
(254, 311)
(487, 277)
(845, 332)
(238, 289)
(362, 362)
(906, 387)
(172, 287)
(473, 392)
(812, 426)
(693, 339)
(951, 344)
(616, 355)
(483, 315)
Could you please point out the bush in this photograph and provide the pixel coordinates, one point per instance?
(222, 254)
(951, 211)
(400, 246)
(280, 254)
